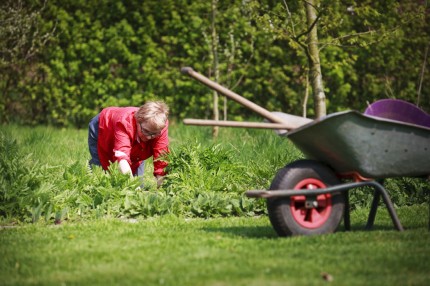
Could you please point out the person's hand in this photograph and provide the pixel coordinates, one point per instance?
(159, 180)
(125, 168)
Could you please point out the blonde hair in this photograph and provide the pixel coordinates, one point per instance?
(153, 114)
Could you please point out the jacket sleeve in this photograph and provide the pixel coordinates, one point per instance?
(122, 141)
(160, 148)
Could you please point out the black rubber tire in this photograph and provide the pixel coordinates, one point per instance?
(281, 209)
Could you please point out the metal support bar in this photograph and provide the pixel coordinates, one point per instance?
(389, 204)
(374, 206)
(346, 212)
(337, 188)
(373, 209)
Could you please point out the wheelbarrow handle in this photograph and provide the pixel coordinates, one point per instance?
(240, 124)
(288, 120)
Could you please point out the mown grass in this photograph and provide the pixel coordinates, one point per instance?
(174, 249)
(222, 251)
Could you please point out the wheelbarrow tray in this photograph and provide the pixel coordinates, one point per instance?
(371, 147)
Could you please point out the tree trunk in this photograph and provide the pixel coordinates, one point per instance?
(215, 129)
(315, 65)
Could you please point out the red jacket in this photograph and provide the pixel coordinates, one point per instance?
(118, 140)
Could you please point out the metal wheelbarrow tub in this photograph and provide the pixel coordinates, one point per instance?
(370, 147)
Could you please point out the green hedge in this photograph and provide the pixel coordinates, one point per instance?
(67, 59)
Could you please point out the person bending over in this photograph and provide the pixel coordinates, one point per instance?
(129, 136)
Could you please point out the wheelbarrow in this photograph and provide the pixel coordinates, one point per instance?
(344, 151)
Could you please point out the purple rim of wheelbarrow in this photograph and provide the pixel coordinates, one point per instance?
(399, 110)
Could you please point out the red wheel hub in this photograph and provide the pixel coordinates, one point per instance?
(311, 217)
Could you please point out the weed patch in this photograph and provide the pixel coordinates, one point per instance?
(21, 181)
(206, 178)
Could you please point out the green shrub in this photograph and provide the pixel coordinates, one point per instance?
(207, 179)
(403, 191)
(21, 180)
(211, 181)
(408, 191)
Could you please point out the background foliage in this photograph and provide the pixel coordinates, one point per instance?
(63, 60)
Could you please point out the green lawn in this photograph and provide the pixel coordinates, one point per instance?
(223, 251)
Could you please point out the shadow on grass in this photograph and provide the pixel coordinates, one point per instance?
(383, 223)
(267, 232)
(245, 231)
(381, 227)
(362, 227)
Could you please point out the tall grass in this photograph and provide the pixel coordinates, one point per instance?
(48, 178)
(213, 184)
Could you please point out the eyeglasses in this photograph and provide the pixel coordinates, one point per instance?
(147, 133)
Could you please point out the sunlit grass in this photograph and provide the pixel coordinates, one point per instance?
(225, 251)
(51, 145)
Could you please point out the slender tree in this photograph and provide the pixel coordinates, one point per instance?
(215, 63)
(314, 58)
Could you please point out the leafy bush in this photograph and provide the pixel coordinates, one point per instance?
(30, 190)
(403, 191)
(64, 60)
(408, 191)
(204, 180)
(211, 181)
(21, 178)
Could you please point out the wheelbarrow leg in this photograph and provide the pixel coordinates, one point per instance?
(428, 199)
(380, 190)
(373, 209)
(346, 214)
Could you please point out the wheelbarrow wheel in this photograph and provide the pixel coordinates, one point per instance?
(304, 215)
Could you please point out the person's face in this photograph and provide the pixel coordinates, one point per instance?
(145, 133)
